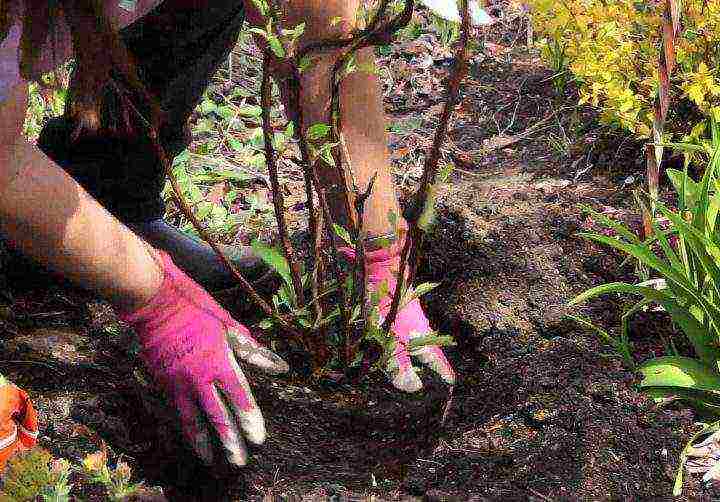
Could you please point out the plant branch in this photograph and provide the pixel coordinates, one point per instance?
(182, 203)
(420, 198)
(278, 198)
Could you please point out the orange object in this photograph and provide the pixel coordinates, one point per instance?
(18, 421)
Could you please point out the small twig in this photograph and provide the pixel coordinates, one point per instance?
(430, 169)
(278, 198)
(246, 286)
(448, 406)
(360, 275)
(322, 219)
(38, 363)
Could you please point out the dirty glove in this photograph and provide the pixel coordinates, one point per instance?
(18, 421)
(380, 266)
(190, 345)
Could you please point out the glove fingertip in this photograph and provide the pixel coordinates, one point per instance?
(435, 359)
(262, 358)
(253, 426)
(237, 456)
(407, 381)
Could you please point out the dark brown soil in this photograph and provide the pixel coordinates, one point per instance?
(542, 410)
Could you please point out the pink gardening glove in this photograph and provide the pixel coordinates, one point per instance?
(411, 322)
(189, 345)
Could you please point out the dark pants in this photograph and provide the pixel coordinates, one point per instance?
(178, 52)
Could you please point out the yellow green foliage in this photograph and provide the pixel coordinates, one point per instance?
(27, 476)
(612, 48)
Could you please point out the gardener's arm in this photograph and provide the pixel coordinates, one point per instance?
(45, 213)
(183, 332)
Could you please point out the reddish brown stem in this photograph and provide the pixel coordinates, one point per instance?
(360, 275)
(278, 198)
(315, 218)
(430, 169)
(182, 204)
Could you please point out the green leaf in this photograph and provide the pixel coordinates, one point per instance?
(427, 218)
(204, 210)
(304, 63)
(326, 153)
(274, 259)
(684, 186)
(318, 131)
(430, 340)
(261, 6)
(681, 376)
(393, 218)
(425, 288)
(343, 234)
(412, 294)
(701, 339)
(250, 111)
(589, 325)
(208, 106)
(276, 46)
(383, 290)
(235, 144)
(622, 230)
(226, 112)
(266, 324)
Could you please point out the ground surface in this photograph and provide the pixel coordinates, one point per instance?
(540, 411)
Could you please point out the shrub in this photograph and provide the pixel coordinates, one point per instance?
(611, 48)
(32, 475)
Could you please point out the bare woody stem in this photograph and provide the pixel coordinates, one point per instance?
(316, 220)
(278, 198)
(360, 275)
(420, 198)
(372, 34)
(187, 211)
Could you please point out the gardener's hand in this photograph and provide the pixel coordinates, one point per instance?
(190, 345)
(18, 421)
(411, 323)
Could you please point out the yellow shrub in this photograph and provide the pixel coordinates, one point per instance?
(612, 47)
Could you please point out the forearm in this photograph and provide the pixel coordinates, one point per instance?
(48, 216)
(51, 218)
(361, 101)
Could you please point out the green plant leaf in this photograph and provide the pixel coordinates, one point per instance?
(318, 131)
(274, 259)
(681, 376)
(430, 340)
(685, 187)
(266, 324)
(701, 339)
(605, 336)
(250, 111)
(208, 106)
(343, 234)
